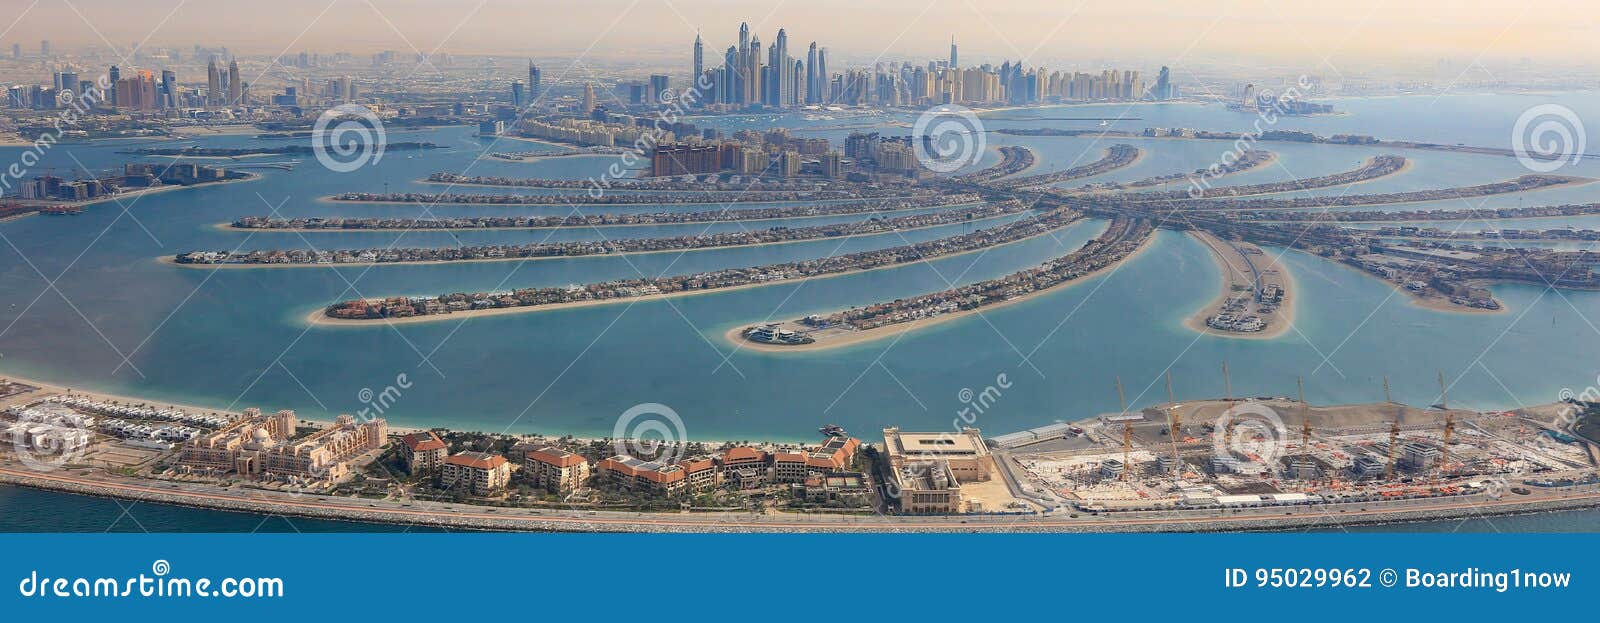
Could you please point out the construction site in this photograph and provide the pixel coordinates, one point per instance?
(1253, 452)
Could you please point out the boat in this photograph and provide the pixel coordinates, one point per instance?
(832, 430)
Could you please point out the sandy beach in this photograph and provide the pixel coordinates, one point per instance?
(319, 318)
(172, 260)
(1236, 274)
(859, 337)
(1431, 303)
(45, 389)
(1137, 158)
(230, 226)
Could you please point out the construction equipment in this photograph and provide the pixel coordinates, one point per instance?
(1177, 428)
(1127, 432)
(1394, 442)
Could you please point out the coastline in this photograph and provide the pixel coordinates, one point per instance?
(54, 388)
(134, 194)
(172, 260)
(1572, 181)
(438, 204)
(1197, 321)
(476, 517)
(319, 317)
(735, 335)
(1429, 303)
(230, 227)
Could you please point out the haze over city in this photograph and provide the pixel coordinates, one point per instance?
(1355, 34)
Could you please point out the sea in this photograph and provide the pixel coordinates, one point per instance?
(85, 302)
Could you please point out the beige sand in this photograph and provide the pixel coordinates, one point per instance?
(319, 318)
(858, 337)
(229, 226)
(172, 260)
(50, 388)
(1234, 272)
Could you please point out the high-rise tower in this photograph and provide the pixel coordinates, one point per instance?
(953, 51)
(533, 82)
(699, 61)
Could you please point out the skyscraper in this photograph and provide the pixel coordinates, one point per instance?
(953, 52)
(518, 95)
(16, 50)
(588, 104)
(812, 82)
(112, 76)
(752, 72)
(235, 87)
(213, 82)
(727, 90)
(169, 89)
(699, 61)
(44, 48)
(781, 68)
(533, 82)
(824, 79)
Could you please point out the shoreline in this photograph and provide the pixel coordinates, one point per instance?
(1197, 321)
(1431, 303)
(135, 194)
(735, 335)
(1572, 181)
(44, 387)
(172, 260)
(319, 317)
(437, 204)
(229, 226)
(481, 517)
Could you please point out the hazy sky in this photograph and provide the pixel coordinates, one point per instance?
(1351, 32)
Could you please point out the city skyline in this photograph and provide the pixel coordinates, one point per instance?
(1355, 35)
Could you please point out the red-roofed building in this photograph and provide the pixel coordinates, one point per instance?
(424, 451)
(629, 473)
(789, 467)
(481, 472)
(556, 470)
(701, 473)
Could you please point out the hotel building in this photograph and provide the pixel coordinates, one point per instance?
(258, 446)
(424, 452)
(930, 467)
(558, 471)
(479, 472)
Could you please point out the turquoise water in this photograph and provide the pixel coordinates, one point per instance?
(236, 337)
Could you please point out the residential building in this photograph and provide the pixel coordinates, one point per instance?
(423, 452)
(557, 470)
(479, 472)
